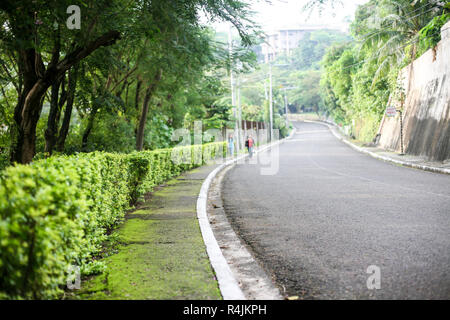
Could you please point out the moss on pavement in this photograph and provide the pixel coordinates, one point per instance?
(161, 254)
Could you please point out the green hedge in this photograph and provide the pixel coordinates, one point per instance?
(57, 212)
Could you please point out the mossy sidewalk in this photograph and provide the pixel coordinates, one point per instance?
(161, 254)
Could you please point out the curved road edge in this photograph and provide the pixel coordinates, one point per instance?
(228, 284)
(339, 136)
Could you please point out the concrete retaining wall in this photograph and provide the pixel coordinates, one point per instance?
(426, 115)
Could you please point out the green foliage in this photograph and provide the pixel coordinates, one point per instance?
(158, 134)
(111, 133)
(307, 96)
(298, 73)
(280, 124)
(430, 35)
(4, 159)
(252, 112)
(130, 59)
(6, 116)
(349, 94)
(360, 76)
(305, 70)
(58, 211)
(312, 48)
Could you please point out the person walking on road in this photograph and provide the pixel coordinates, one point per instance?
(249, 145)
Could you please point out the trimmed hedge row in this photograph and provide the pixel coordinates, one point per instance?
(57, 212)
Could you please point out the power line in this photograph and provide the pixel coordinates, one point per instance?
(407, 18)
(367, 60)
(401, 47)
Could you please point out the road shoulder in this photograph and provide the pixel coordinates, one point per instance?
(253, 279)
(410, 161)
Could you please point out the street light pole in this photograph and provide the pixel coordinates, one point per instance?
(401, 124)
(239, 112)
(230, 54)
(270, 102)
(286, 106)
(271, 97)
(232, 84)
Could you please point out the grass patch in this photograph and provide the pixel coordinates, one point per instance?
(160, 252)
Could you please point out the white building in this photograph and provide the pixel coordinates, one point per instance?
(285, 40)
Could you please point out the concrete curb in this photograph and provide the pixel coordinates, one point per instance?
(380, 157)
(228, 284)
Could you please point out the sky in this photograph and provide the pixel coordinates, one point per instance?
(278, 14)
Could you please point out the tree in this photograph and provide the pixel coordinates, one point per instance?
(360, 76)
(28, 38)
(307, 95)
(43, 54)
(389, 29)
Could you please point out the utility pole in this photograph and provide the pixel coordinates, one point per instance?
(266, 95)
(233, 97)
(400, 111)
(270, 101)
(401, 132)
(239, 111)
(286, 106)
(287, 43)
(271, 97)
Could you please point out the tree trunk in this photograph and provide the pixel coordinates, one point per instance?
(64, 130)
(36, 83)
(136, 99)
(126, 92)
(172, 107)
(52, 123)
(55, 105)
(31, 107)
(136, 102)
(143, 119)
(27, 71)
(88, 129)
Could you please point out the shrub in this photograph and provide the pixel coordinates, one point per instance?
(57, 212)
(430, 35)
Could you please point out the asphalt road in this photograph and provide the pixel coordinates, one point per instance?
(331, 212)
